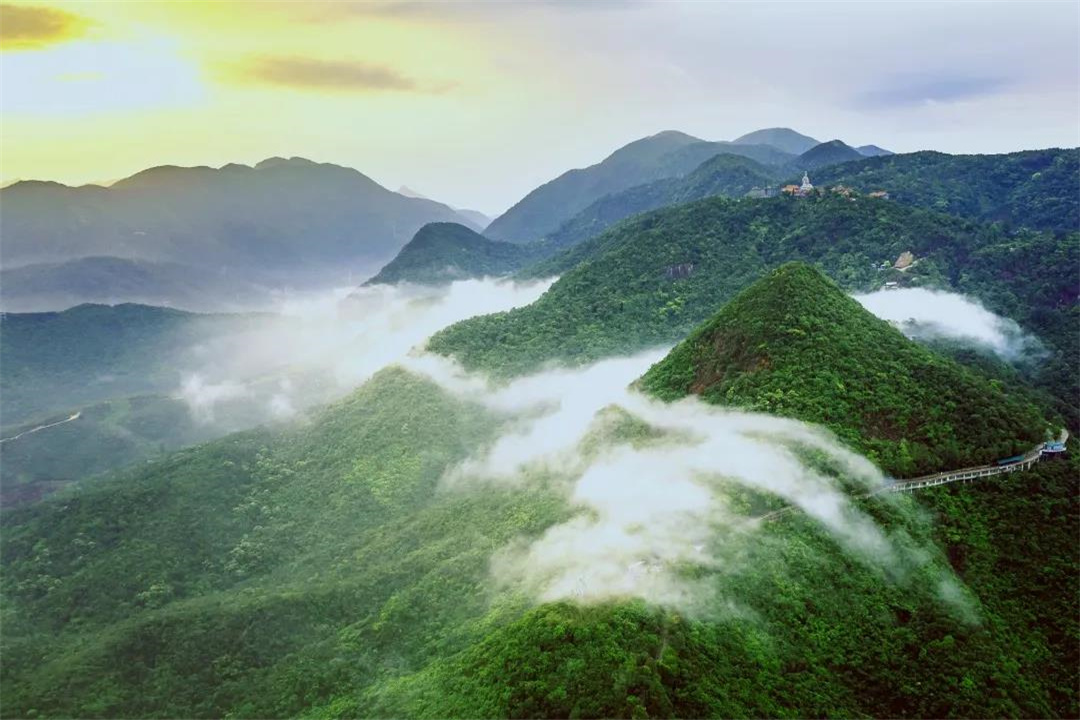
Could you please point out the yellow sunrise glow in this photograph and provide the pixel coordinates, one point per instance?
(209, 83)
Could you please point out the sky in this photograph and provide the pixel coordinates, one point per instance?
(476, 103)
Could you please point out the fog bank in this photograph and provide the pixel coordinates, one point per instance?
(923, 314)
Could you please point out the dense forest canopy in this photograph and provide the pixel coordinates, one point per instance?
(650, 280)
(795, 344)
(1033, 188)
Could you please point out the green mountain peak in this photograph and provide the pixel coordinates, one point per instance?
(795, 344)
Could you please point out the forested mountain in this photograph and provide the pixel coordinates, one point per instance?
(443, 252)
(650, 280)
(873, 150)
(664, 155)
(286, 223)
(730, 176)
(56, 361)
(784, 139)
(1033, 188)
(722, 175)
(327, 577)
(827, 153)
(56, 286)
(795, 344)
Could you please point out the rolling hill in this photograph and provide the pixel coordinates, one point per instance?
(47, 287)
(329, 575)
(722, 175)
(1033, 188)
(827, 153)
(784, 139)
(56, 361)
(444, 252)
(873, 150)
(794, 344)
(650, 280)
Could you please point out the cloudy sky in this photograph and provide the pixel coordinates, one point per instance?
(476, 103)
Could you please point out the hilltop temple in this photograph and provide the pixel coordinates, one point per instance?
(800, 190)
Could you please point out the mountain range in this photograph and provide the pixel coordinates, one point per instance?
(329, 576)
(662, 489)
(284, 223)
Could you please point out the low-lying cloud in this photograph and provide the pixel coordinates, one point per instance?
(655, 520)
(654, 515)
(923, 314)
(319, 346)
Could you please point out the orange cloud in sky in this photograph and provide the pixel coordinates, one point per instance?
(340, 75)
(28, 27)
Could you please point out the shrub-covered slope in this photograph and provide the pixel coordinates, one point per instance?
(54, 361)
(650, 280)
(795, 344)
(444, 252)
(1038, 189)
(319, 571)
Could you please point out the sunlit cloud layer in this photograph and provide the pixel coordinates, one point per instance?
(30, 27)
(315, 74)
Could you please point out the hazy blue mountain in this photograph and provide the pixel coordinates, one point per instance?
(873, 151)
(473, 217)
(53, 361)
(784, 139)
(722, 175)
(827, 153)
(283, 222)
(55, 286)
(664, 155)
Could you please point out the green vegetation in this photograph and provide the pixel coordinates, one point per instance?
(826, 636)
(50, 362)
(318, 571)
(794, 344)
(957, 185)
(650, 280)
(106, 436)
(1034, 188)
(444, 252)
(624, 290)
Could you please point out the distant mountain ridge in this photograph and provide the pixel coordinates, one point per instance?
(284, 222)
(477, 218)
(44, 287)
(666, 155)
(826, 153)
(784, 139)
